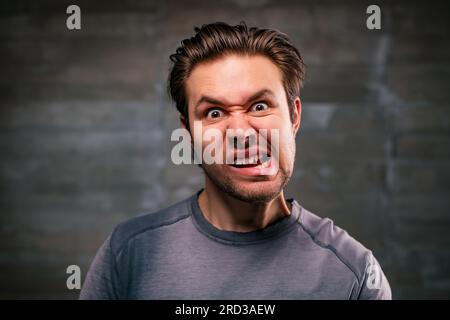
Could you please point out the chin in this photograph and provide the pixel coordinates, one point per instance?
(249, 191)
(262, 195)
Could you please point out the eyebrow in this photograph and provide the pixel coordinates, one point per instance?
(257, 95)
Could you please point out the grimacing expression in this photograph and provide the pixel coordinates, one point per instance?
(243, 92)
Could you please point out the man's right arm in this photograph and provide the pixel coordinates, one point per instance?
(102, 280)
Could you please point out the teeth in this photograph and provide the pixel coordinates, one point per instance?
(265, 161)
(253, 160)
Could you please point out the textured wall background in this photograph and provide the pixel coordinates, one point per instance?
(85, 129)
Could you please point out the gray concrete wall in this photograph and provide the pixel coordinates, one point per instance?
(85, 129)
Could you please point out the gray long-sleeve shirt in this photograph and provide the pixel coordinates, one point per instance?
(177, 254)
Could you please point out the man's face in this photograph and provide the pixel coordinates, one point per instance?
(244, 92)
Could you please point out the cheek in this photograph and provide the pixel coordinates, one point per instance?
(268, 122)
(213, 143)
(287, 143)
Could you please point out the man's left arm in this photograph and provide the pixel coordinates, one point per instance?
(375, 285)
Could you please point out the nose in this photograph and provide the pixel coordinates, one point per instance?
(240, 133)
(238, 121)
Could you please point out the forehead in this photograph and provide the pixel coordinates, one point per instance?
(234, 78)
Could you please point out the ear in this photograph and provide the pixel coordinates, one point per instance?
(182, 122)
(297, 115)
(184, 125)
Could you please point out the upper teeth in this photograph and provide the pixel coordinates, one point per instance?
(252, 160)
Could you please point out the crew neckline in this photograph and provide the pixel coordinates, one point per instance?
(273, 230)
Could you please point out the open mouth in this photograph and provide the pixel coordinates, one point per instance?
(252, 162)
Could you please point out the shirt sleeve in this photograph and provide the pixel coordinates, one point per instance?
(102, 279)
(375, 285)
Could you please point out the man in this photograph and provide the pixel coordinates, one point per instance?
(239, 237)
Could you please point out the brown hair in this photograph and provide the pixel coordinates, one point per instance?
(214, 40)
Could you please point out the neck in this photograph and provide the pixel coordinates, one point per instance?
(228, 213)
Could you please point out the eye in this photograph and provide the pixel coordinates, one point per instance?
(214, 113)
(260, 106)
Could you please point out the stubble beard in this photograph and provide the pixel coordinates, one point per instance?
(266, 190)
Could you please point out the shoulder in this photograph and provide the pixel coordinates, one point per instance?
(136, 226)
(326, 235)
(371, 280)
